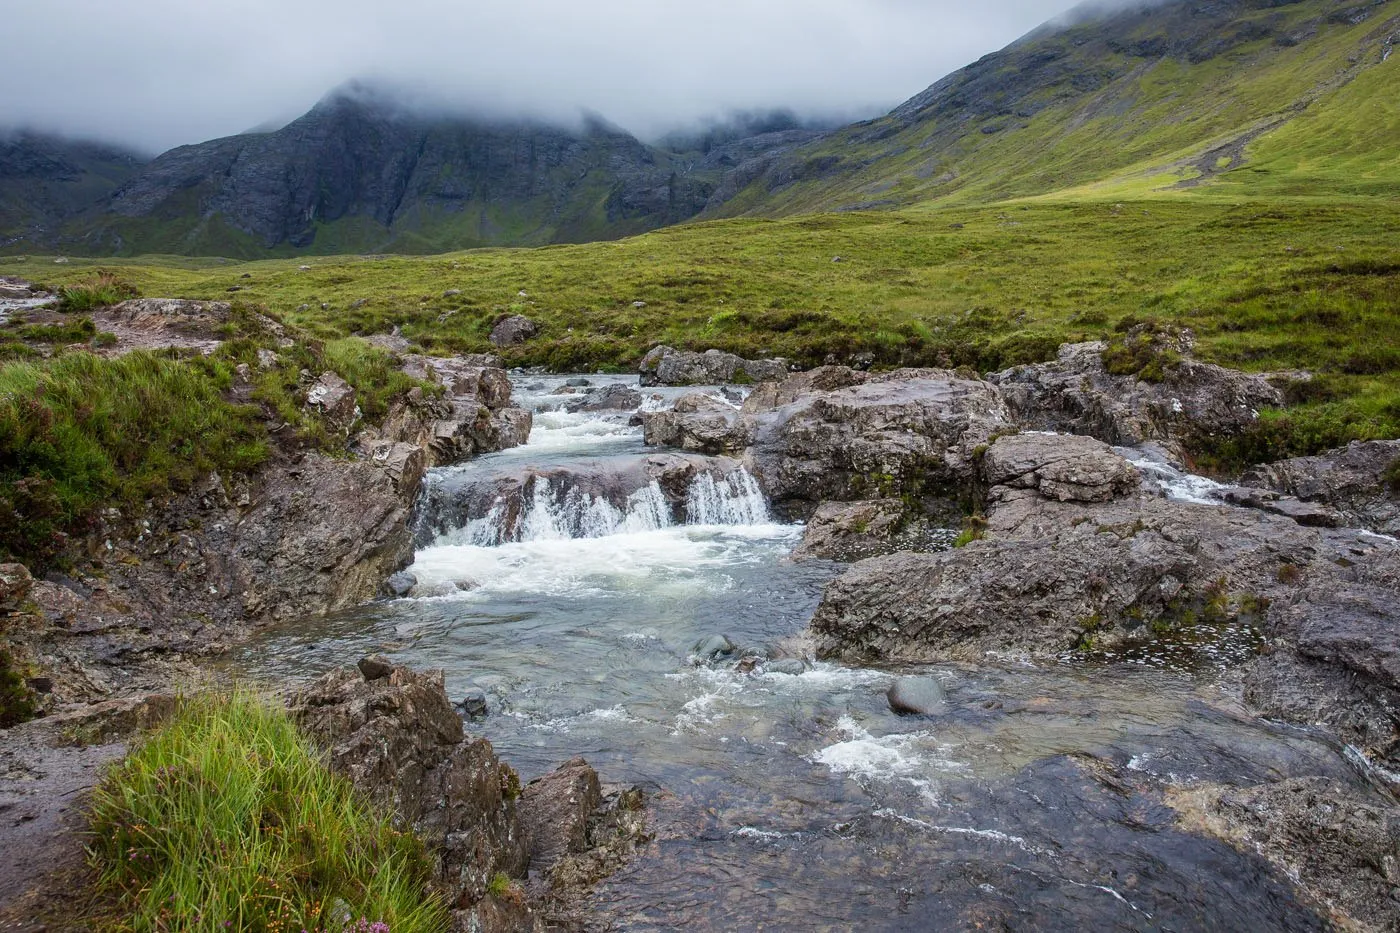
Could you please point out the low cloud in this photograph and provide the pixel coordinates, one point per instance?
(158, 73)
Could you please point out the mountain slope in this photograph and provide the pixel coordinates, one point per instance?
(45, 180)
(1138, 98)
(359, 173)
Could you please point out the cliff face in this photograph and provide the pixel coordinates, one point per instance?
(358, 175)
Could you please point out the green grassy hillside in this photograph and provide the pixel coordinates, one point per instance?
(1254, 97)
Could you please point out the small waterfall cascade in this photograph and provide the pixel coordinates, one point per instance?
(547, 510)
(734, 499)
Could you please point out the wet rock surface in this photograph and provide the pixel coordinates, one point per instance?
(1302, 616)
(394, 733)
(1076, 394)
(1360, 482)
(1341, 845)
(666, 366)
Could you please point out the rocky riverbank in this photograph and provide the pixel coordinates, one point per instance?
(1284, 591)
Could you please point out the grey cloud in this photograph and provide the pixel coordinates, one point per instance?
(157, 73)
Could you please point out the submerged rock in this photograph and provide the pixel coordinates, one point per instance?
(713, 648)
(918, 696)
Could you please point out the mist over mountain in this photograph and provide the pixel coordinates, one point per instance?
(1175, 91)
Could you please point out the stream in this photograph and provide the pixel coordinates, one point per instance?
(788, 795)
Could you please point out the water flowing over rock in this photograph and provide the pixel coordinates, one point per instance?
(1360, 481)
(535, 505)
(666, 366)
(1076, 394)
(1304, 615)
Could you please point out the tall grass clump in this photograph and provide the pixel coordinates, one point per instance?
(100, 291)
(79, 432)
(371, 370)
(225, 818)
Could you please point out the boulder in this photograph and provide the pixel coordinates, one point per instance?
(613, 397)
(697, 422)
(1062, 467)
(334, 400)
(474, 415)
(555, 811)
(850, 531)
(513, 331)
(1360, 482)
(397, 738)
(917, 696)
(1076, 394)
(910, 433)
(769, 395)
(667, 366)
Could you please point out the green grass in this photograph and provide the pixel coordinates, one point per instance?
(1264, 283)
(226, 818)
(102, 290)
(79, 432)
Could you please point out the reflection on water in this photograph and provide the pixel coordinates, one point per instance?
(789, 796)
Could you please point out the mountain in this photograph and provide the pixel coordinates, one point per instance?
(1295, 97)
(360, 173)
(1129, 100)
(45, 180)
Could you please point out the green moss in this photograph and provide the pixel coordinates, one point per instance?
(17, 702)
(974, 529)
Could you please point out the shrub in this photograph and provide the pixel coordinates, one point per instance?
(225, 819)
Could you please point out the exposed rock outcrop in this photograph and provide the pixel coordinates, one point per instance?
(394, 733)
(1066, 468)
(1303, 615)
(667, 366)
(1075, 393)
(613, 397)
(1360, 481)
(397, 738)
(474, 415)
(700, 423)
(851, 531)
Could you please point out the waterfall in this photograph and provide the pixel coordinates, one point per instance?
(549, 511)
(734, 499)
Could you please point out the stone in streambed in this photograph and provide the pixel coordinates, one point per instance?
(375, 667)
(473, 704)
(917, 696)
(401, 583)
(714, 647)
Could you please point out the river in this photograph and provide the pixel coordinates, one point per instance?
(788, 795)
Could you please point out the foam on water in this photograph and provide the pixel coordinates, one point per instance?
(661, 558)
(906, 757)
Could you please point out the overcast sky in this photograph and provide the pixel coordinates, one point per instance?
(158, 73)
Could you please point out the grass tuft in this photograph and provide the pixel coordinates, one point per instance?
(102, 290)
(225, 819)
